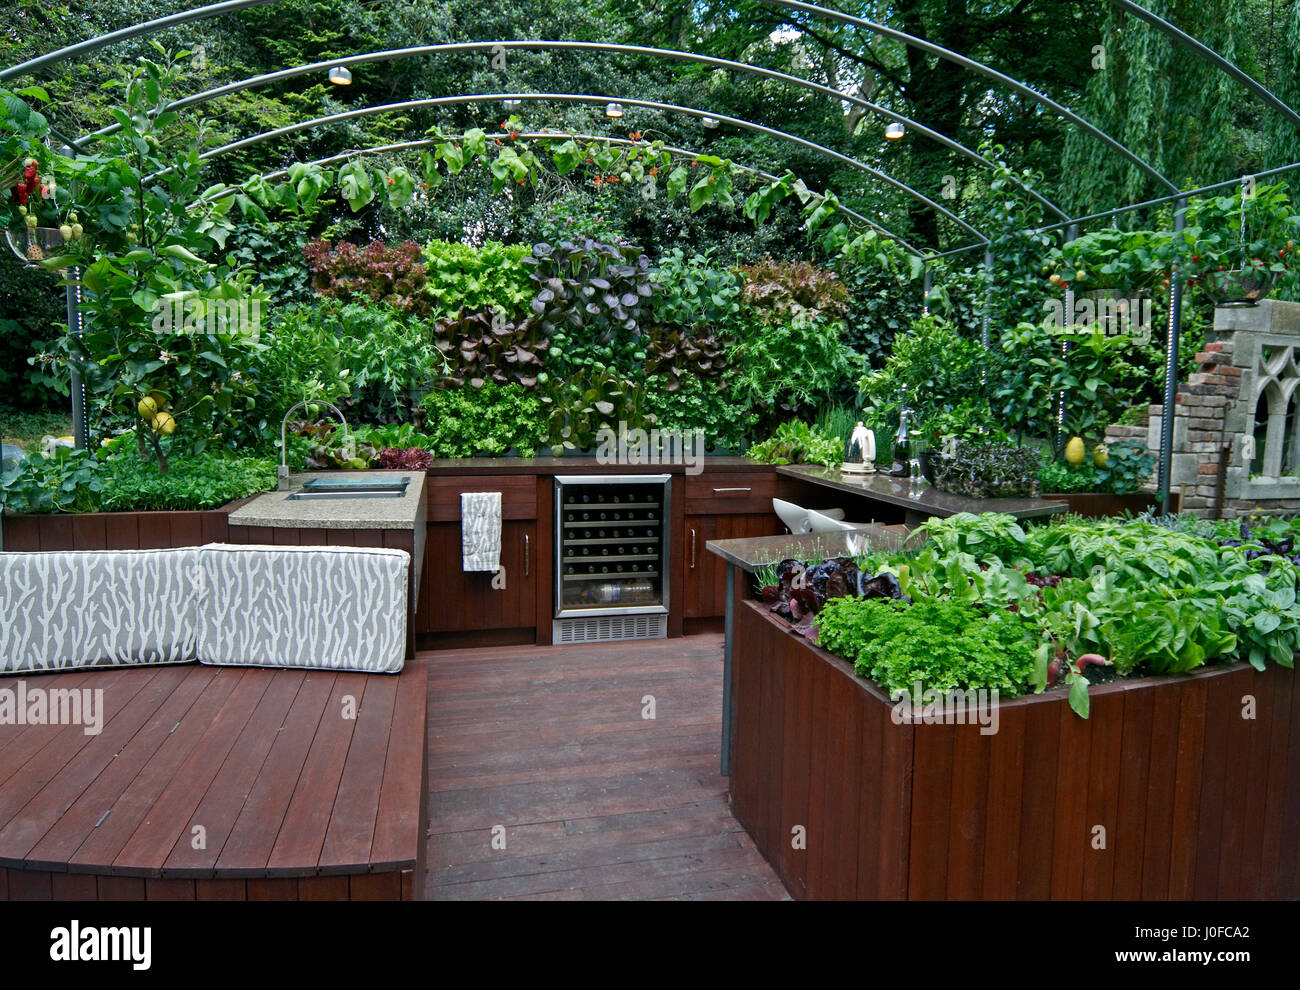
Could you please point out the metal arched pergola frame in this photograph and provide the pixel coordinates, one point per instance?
(561, 135)
(253, 82)
(593, 99)
(1134, 9)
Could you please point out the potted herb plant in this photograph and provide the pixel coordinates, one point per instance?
(1111, 261)
(1109, 485)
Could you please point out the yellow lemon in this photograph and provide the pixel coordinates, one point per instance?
(147, 408)
(164, 423)
(1099, 455)
(1074, 451)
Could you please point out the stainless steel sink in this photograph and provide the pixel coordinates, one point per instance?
(323, 488)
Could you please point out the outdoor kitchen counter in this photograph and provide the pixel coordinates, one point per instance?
(275, 510)
(920, 501)
(587, 465)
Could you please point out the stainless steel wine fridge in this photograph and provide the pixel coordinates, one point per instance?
(611, 557)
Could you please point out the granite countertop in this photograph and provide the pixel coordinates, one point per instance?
(922, 498)
(274, 509)
(754, 552)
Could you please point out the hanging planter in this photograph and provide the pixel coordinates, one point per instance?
(34, 244)
(1240, 287)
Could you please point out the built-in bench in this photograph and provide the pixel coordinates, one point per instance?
(128, 771)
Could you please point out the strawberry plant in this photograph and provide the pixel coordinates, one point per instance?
(1252, 233)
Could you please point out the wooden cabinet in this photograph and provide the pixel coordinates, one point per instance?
(452, 600)
(706, 573)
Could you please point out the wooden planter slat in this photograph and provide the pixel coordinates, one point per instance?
(1165, 792)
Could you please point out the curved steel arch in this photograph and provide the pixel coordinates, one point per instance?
(1181, 37)
(592, 99)
(231, 6)
(390, 54)
(127, 33)
(541, 135)
(982, 69)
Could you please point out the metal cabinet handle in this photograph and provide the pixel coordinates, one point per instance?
(719, 491)
(692, 549)
(525, 555)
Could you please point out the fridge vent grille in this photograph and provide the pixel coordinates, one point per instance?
(607, 628)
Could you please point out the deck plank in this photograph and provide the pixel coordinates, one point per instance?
(105, 840)
(82, 816)
(255, 831)
(593, 801)
(397, 828)
(148, 848)
(224, 800)
(352, 825)
(47, 749)
(138, 714)
(302, 836)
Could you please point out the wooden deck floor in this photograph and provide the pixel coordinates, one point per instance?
(593, 800)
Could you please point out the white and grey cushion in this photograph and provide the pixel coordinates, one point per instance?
(86, 608)
(337, 608)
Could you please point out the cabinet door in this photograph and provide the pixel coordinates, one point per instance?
(454, 601)
(706, 572)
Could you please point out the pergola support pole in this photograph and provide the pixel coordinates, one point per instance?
(988, 297)
(80, 428)
(1071, 232)
(1171, 369)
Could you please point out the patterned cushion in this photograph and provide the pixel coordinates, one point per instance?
(338, 608)
(88, 608)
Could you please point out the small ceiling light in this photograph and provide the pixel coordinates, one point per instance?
(711, 123)
(513, 105)
(614, 110)
(340, 75)
(894, 131)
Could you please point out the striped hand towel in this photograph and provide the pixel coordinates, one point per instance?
(480, 531)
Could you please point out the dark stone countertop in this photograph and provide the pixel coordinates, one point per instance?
(584, 465)
(921, 498)
(754, 552)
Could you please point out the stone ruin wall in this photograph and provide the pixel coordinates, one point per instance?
(1241, 410)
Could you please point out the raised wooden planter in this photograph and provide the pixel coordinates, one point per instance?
(116, 530)
(1165, 792)
(1095, 505)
